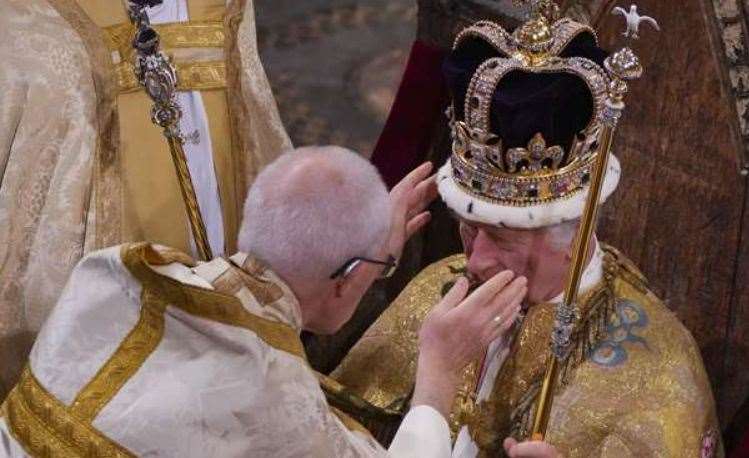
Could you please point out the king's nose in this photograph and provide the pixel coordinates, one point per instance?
(483, 261)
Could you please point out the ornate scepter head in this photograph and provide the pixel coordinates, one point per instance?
(157, 75)
(154, 69)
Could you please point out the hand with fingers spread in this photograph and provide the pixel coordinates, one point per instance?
(530, 449)
(458, 331)
(409, 200)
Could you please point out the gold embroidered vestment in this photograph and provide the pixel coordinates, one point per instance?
(634, 386)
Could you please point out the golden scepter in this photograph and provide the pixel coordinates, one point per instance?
(622, 66)
(158, 77)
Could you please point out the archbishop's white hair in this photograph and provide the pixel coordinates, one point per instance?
(314, 208)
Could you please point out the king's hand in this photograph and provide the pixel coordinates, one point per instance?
(530, 449)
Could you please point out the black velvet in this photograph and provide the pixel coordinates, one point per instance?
(558, 105)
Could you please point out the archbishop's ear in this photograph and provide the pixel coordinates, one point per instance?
(353, 279)
(341, 284)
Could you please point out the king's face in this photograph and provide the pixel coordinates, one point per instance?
(490, 250)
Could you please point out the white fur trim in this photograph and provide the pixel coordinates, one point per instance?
(531, 217)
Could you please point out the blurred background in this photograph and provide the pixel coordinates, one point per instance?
(335, 65)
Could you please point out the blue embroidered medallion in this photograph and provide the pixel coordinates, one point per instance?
(627, 316)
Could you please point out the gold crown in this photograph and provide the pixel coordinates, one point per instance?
(540, 172)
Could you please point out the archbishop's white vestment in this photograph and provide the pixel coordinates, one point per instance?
(149, 354)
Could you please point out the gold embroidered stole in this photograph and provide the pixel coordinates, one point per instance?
(252, 275)
(45, 427)
(194, 38)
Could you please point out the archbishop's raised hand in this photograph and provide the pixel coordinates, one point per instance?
(409, 200)
(458, 330)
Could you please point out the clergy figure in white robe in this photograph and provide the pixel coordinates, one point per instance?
(144, 355)
(148, 353)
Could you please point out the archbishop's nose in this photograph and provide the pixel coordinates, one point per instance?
(483, 261)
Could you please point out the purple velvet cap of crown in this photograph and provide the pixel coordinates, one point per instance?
(557, 105)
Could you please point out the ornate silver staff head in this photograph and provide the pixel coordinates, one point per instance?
(154, 69)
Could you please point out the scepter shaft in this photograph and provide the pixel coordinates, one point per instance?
(580, 254)
(622, 66)
(197, 226)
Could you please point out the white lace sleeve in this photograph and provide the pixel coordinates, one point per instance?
(424, 432)
(9, 448)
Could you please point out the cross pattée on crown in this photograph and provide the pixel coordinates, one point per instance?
(546, 8)
(483, 149)
(537, 157)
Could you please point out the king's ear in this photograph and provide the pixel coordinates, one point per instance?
(568, 251)
(571, 246)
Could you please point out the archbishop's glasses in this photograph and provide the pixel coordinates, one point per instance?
(390, 265)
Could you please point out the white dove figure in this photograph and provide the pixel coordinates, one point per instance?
(634, 20)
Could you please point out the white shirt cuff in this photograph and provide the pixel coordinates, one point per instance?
(423, 432)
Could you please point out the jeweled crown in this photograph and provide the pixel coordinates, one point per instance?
(537, 172)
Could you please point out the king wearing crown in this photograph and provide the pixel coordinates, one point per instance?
(528, 113)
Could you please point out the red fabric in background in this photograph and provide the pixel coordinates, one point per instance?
(742, 451)
(419, 105)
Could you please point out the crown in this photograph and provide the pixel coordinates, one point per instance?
(538, 172)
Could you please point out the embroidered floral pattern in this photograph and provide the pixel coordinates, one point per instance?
(610, 352)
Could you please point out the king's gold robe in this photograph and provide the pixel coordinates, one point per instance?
(634, 386)
(81, 165)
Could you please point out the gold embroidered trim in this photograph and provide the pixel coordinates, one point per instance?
(222, 308)
(192, 76)
(228, 310)
(132, 352)
(45, 427)
(193, 34)
(208, 304)
(167, 255)
(126, 360)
